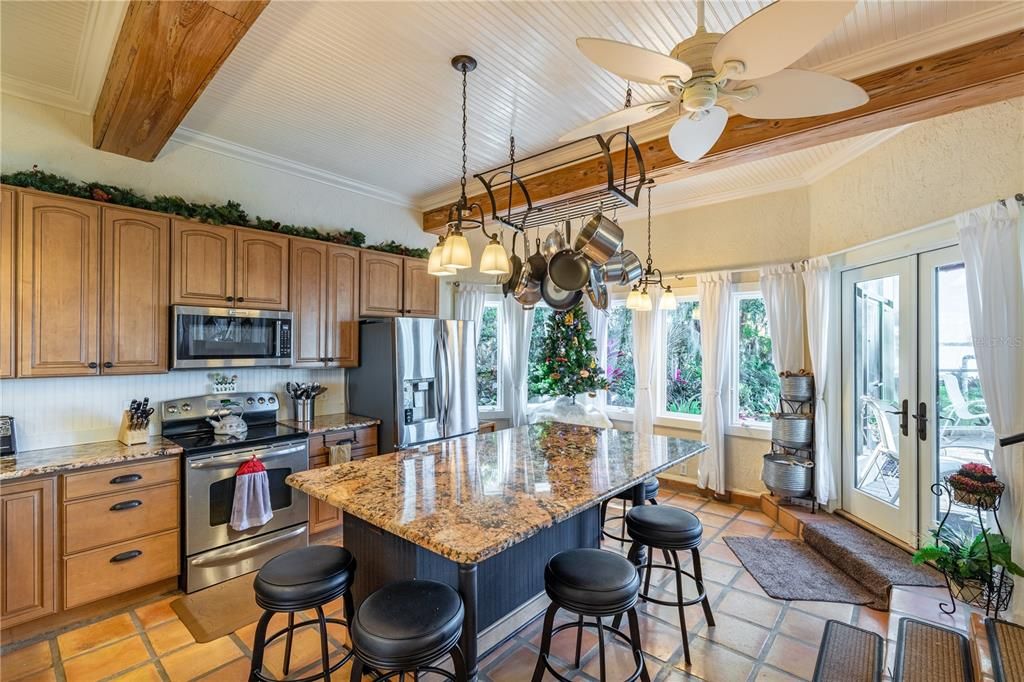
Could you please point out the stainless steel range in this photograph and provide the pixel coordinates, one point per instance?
(212, 551)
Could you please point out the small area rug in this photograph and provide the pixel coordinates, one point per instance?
(836, 561)
(219, 610)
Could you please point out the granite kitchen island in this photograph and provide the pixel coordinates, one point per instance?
(485, 512)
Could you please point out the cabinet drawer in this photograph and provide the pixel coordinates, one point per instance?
(119, 568)
(114, 518)
(120, 478)
(360, 438)
(363, 453)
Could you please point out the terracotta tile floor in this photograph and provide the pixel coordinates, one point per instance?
(756, 638)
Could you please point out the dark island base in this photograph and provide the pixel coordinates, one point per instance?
(490, 590)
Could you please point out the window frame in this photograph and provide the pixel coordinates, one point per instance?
(615, 412)
(662, 416)
(734, 426)
(500, 411)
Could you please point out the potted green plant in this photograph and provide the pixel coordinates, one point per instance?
(974, 565)
(975, 485)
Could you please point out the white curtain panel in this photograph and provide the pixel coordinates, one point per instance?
(990, 241)
(714, 294)
(516, 328)
(599, 328)
(469, 304)
(817, 278)
(783, 290)
(645, 333)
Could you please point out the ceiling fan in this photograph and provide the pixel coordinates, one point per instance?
(744, 68)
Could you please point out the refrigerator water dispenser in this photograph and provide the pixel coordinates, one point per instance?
(419, 402)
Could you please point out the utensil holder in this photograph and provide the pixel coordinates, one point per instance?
(129, 436)
(304, 411)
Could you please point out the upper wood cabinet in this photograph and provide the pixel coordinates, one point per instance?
(7, 345)
(134, 297)
(324, 304)
(392, 286)
(28, 551)
(58, 286)
(420, 289)
(202, 264)
(261, 270)
(342, 332)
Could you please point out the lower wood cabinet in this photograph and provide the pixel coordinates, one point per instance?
(28, 550)
(323, 516)
(104, 572)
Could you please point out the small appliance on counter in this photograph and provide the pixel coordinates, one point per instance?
(8, 441)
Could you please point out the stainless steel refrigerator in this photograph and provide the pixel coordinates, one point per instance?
(417, 375)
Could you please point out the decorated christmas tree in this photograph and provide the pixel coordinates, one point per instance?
(569, 366)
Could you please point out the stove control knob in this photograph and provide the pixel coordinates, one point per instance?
(186, 407)
(249, 401)
(271, 400)
(261, 400)
(172, 409)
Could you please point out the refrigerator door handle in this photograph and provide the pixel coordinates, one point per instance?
(441, 382)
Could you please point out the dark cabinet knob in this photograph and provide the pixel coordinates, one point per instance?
(229, 298)
(108, 365)
(93, 365)
(240, 299)
(125, 556)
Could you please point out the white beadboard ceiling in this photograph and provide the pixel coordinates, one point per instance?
(361, 94)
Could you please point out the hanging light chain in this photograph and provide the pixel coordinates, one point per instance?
(650, 261)
(465, 121)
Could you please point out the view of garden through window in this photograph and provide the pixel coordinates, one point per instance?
(683, 369)
(487, 394)
(758, 385)
(619, 364)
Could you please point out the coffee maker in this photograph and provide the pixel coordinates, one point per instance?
(8, 443)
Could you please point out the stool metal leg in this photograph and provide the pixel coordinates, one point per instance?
(682, 612)
(634, 637)
(458, 664)
(647, 572)
(357, 670)
(258, 644)
(705, 603)
(349, 606)
(600, 646)
(579, 643)
(288, 643)
(325, 652)
(545, 642)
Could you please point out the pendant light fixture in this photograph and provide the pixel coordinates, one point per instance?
(434, 266)
(638, 298)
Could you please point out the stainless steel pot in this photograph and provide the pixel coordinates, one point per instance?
(600, 239)
(613, 270)
(515, 266)
(553, 243)
(569, 269)
(786, 475)
(792, 430)
(558, 298)
(597, 290)
(527, 290)
(632, 268)
(796, 386)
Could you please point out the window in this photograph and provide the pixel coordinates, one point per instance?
(756, 383)
(619, 362)
(540, 323)
(682, 360)
(488, 382)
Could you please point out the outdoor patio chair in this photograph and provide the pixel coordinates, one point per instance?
(963, 423)
(884, 459)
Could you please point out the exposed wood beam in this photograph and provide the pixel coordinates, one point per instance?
(165, 55)
(973, 75)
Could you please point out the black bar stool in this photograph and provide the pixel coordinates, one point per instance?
(651, 488)
(406, 627)
(597, 583)
(297, 580)
(671, 529)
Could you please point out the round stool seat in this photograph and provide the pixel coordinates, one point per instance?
(651, 488)
(407, 624)
(664, 526)
(304, 578)
(592, 582)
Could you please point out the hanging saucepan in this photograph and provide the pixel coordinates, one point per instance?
(558, 298)
(613, 270)
(554, 243)
(538, 265)
(569, 269)
(527, 288)
(597, 291)
(600, 239)
(632, 268)
(515, 265)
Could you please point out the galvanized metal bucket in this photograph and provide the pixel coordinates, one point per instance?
(796, 387)
(792, 430)
(787, 475)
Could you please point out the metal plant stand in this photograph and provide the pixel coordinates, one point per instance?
(992, 595)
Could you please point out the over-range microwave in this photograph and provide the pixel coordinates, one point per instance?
(229, 337)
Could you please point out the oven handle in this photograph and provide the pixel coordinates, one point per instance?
(245, 456)
(220, 556)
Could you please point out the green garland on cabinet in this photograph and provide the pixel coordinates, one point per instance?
(230, 213)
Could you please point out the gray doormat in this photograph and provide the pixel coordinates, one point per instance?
(849, 654)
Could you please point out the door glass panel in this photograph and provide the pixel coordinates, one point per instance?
(876, 354)
(964, 430)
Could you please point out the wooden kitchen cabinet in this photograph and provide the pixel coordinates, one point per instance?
(28, 560)
(324, 304)
(419, 289)
(393, 286)
(7, 285)
(134, 317)
(261, 270)
(58, 286)
(202, 264)
(323, 516)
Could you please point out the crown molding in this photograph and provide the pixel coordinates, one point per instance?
(216, 145)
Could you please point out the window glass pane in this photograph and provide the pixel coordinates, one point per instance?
(758, 390)
(619, 366)
(540, 323)
(487, 360)
(682, 360)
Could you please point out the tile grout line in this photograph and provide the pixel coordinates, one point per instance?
(149, 645)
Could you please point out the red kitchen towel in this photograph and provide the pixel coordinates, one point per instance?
(251, 506)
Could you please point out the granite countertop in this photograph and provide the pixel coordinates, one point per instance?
(67, 458)
(469, 498)
(332, 422)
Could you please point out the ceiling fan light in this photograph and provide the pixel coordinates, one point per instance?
(434, 266)
(633, 300)
(456, 247)
(668, 300)
(494, 260)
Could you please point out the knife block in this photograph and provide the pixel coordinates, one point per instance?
(128, 435)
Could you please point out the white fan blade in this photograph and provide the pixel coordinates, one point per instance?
(615, 120)
(636, 64)
(691, 139)
(792, 93)
(775, 36)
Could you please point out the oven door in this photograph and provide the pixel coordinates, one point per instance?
(210, 493)
(230, 337)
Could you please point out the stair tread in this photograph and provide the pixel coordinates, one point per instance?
(848, 654)
(926, 652)
(1006, 644)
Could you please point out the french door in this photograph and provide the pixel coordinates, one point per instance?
(912, 406)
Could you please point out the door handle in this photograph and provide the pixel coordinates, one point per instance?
(922, 421)
(904, 413)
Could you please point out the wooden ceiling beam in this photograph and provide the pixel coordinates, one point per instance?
(165, 55)
(973, 75)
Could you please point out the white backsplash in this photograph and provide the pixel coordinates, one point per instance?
(65, 411)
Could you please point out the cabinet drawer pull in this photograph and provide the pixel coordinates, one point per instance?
(126, 556)
(127, 504)
(125, 478)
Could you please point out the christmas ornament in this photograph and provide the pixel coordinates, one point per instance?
(584, 373)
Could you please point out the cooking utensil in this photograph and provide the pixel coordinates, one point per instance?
(554, 243)
(597, 290)
(569, 269)
(528, 289)
(515, 266)
(558, 298)
(632, 268)
(613, 270)
(600, 238)
(538, 264)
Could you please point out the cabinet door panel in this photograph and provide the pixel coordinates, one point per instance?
(135, 296)
(261, 270)
(28, 558)
(202, 264)
(420, 296)
(342, 332)
(309, 276)
(380, 284)
(6, 283)
(59, 287)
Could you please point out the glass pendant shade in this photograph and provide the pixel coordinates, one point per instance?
(633, 300)
(645, 302)
(456, 254)
(494, 260)
(668, 300)
(434, 266)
